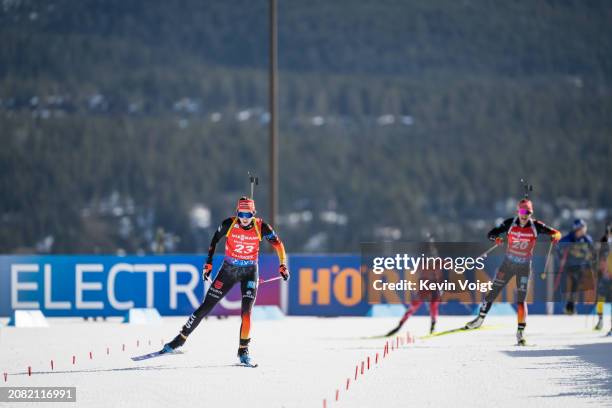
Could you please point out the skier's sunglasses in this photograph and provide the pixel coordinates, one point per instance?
(522, 211)
(245, 215)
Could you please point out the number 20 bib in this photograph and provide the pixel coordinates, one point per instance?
(522, 240)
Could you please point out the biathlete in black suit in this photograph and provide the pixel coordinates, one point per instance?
(243, 233)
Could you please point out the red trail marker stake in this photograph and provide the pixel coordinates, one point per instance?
(90, 355)
(324, 403)
(362, 364)
(73, 360)
(348, 381)
(51, 365)
(5, 376)
(337, 395)
(376, 361)
(368, 362)
(356, 371)
(29, 371)
(123, 347)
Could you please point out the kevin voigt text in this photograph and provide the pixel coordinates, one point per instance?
(426, 284)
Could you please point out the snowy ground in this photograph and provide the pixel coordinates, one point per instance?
(304, 360)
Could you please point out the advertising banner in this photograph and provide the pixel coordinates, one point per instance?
(110, 285)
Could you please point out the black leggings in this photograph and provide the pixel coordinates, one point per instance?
(507, 271)
(227, 277)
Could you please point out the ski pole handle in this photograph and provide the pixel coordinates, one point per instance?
(270, 280)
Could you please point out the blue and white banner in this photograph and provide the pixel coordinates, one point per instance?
(111, 285)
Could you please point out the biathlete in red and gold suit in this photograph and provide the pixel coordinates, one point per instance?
(522, 233)
(243, 234)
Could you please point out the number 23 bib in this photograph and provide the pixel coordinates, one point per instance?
(243, 243)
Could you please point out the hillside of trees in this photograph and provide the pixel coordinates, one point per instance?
(119, 119)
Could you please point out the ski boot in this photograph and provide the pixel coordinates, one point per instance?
(599, 324)
(474, 324)
(432, 328)
(520, 338)
(569, 308)
(245, 358)
(243, 353)
(177, 342)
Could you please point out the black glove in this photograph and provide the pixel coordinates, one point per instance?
(284, 272)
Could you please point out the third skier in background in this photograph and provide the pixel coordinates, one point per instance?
(575, 257)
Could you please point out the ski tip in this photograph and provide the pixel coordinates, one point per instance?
(371, 337)
(155, 354)
(247, 365)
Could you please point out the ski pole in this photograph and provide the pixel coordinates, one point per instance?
(548, 257)
(485, 253)
(270, 280)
